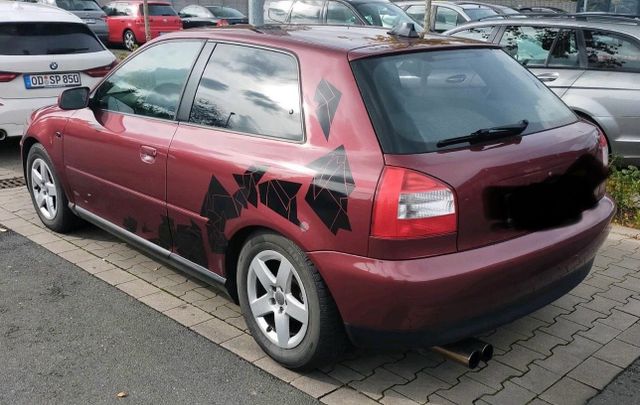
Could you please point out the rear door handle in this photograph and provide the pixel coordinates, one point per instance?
(148, 154)
(548, 77)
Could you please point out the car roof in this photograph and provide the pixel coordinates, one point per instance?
(463, 5)
(14, 11)
(629, 28)
(355, 41)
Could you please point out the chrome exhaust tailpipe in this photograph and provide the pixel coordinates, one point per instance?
(468, 352)
(469, 359)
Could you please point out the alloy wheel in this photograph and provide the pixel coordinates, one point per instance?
(129, 40)
(43, 188)
(277, 299)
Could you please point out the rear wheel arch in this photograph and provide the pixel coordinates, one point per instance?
(593, 121)
(27, 144)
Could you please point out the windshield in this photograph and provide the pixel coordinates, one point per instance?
(383, 14)
(41, 38)
(416, 99)
(225, 12)
(478, 13)
(161, 9)
(78, 5)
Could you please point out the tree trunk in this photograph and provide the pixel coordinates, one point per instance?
(147, 28)
(427, 17)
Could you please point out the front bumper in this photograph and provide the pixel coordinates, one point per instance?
(442, 299)
(14, 112)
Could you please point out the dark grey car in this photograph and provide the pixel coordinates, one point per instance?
(591, 62)
(89, 11)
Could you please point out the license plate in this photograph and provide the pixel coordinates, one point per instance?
(89, 21)
(52, 80)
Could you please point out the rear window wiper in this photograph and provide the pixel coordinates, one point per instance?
(486, 134)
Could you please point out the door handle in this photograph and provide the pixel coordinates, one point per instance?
(548, 77)
(148, 154)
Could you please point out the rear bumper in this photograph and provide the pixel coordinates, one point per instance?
(14, 112)
(441, 299)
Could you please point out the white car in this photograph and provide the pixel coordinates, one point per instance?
(43, 50)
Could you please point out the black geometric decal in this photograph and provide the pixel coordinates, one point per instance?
(218, 206)
(130, 224)
(164, 233)
(280, 196)
(330, 188)
(189, 244)
(248, 182)
(327, 99)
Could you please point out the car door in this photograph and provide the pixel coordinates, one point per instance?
(609, 89)
(446, 19)
(551, 53)
(246, 115)
(115, 151)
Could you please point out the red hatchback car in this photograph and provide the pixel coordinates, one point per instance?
(342, 184)
(126, 21)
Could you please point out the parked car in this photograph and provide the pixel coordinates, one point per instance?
(126, 21)
(447, 15)
(195, 16)
(546, 10)
(591, 62)
(339, 182)
(88, 10)
(380, 13)
(43, 50)
(498, 8)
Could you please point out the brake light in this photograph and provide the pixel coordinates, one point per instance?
(223, 23)
(603, 146)
(409, 204)
(7, 76)
(101, 71)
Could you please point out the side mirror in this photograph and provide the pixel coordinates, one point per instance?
(76, 98)
(277, 15)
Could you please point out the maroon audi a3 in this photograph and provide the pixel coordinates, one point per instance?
(344, 184)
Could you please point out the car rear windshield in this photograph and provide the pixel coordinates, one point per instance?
(161, 9)
(416, 99)
(78, 5)
(478, 13)
(47, 39)
(225, 12)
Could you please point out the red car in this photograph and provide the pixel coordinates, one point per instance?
(126, 21)
(342, 184)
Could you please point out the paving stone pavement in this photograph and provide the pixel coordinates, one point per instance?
(563, 353)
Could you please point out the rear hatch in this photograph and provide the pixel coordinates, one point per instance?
(163, 18)
(230, 15)
(88, 10)
(40, 59)
(542, 178)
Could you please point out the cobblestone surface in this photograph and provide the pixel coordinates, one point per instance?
(563, 353)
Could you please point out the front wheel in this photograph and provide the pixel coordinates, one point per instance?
(46, 192)
(286, 304)
(129, 40)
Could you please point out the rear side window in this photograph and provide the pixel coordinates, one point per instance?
(339, 14)
(381, 14)
(306, 12)
(416, 12)
(151, 83)
(447, 19)
(416, 99)
(565, 51)
(161, 10)
(529, 45)
(611, 52)
(250, 90)
(47, 39)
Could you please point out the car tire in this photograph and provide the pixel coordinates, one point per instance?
(324, 338)
(129, 40)
(48, 196)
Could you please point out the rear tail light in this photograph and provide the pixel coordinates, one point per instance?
(223, 23)
(603, 147)
(7, 76)
(409, 204)
(101, 71)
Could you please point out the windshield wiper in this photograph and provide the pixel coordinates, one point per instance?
(487, 134)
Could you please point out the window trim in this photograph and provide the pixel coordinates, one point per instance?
(582, 65)
(184, 109)
(348, 6)
(151, 46)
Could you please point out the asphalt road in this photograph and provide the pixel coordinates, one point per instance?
(68, 337)
(625, 389)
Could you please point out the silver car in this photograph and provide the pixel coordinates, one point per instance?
(88, 10)
(591, 62)
(448, 14)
